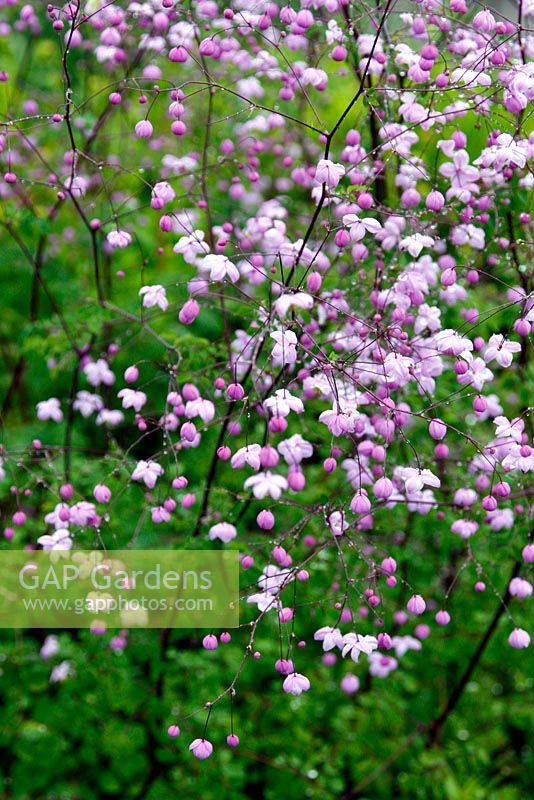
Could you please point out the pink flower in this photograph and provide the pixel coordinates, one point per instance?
(519, 639)
(154, 296)
(98, 372)
(359, 227)
(118, 239)
(501, 350)
(282, 403)
(330, 637)
(59, 540)
(200, 408)
(415, 479)
(329, 173)
(285, 349)
(295, 449)
(219, 268)
(520, 588)
(160, 514)
(415, 243)
(201, 748)
(251, 455)
(49, 409)
(148, 472)
(266, 483)
(355, 644)
(132, 399)
(296, 684)
(222, 531)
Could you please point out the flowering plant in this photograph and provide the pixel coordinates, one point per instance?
(268, 286)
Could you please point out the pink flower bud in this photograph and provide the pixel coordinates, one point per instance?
(520, 588)
(178, 55)
(189, 312)
(484, 21)
(441, 451)
(437, 429)
(232, 740)
(314, 282)
(235, 391)
(201, 748)
(519, 639)
(416, 605)
(365, 201)
(296, 479)
(225, 637)
(342, 238)
(224, 453)
(131, 374)
(188, 431)
(410, 198)
(522, 327)
(190, 391)
(279, 555)
(443, 617)
(265, 520)
(448, 277)
(66, 491)
(480, 404)
(384, 641)
(269, 457)
(144, 129)
(489, 503)
(165, 223)
(339, 53)
(350, 683)
(434, 201)
(285, 614)
(528, 553)
(360, 503)
(173, 731)
(277, 424)
(178, 127)
(389, 565)
(101, 493)
(188, 500)
(210, 642)
(422, 632)
(383, 488)
(502, 489)
(284, 666)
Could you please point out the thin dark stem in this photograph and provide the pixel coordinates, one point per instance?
(435, 727)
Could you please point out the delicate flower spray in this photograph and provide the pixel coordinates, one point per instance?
(315, 324)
